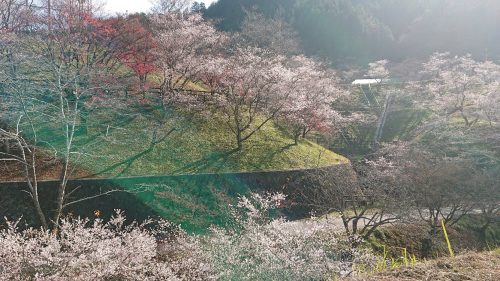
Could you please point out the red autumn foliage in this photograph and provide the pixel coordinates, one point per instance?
(129, 41)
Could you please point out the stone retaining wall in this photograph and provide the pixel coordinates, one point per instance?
(162, 191)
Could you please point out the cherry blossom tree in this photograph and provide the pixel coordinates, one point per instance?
(311, 105)
(249, 85)
(378, 70)
(85, 249)
(486, 197)
(490, 106)
(461, 86)
(360, 198)
(462, 95)
(264, 248)
(185, 42)
(440, 187)
(250, 88)
(167, 6)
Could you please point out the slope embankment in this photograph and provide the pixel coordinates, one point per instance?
(193, 200)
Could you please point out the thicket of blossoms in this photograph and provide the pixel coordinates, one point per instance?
(263, 249)
(85, 250)
(255, 248)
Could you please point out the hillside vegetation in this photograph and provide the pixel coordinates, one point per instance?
(204, 145)
(470, 266)
(199, 144)
(186, 143)
(359, 31)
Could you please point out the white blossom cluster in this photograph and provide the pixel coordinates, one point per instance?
(464, 86)
(253, 249)
(259, 248)
(85, 250)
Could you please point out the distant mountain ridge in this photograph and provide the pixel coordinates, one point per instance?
(358, 31)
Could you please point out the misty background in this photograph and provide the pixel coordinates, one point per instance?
(359, 31)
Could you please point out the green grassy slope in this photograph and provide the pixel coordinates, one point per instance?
(200, 144)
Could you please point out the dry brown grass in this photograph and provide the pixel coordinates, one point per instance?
(48, 168)
(469, 266)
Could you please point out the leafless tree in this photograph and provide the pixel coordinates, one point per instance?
(487, 198)
(49, 85)
(16, 14)
(26, 156)
(270, 33)
(167, 6)
(366, 196)
(441, 187)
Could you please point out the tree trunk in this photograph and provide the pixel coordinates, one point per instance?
(39, 212)
(5, 147)
(61, 193)
(304, 132)
(239, 139)
(483, 230)
(296, 137)
(346, 225)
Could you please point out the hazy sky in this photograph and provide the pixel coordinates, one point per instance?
(132, 6)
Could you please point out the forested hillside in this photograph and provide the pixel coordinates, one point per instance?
(365, 30)
(216, 129)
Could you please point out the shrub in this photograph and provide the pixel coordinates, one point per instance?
(280, 250)
(254, 248)
(85, 250)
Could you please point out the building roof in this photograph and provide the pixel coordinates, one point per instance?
(366, 81)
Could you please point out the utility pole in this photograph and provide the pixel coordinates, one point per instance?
(381, 120)
(49, 13)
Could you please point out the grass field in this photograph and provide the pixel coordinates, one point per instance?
(187, 144)
(197, 144)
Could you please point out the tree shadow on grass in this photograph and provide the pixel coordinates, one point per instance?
(215, 161)
(127, 163)
(270, 156)
(218, 161)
